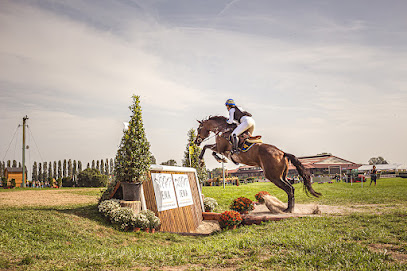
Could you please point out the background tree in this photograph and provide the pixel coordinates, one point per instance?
(34, 174)
(153, 160)
(70, 169)
(97, 165)
(170, 162)
(45, 171)
(102, 167)
(59, 169)
(8, 163)
(377, 161)
(14, 163)
(50, 176)
(79, 166)
(40, 172)
(88, 166)
(19, 164)
(64, 169)
(93, 164)
(74, 168)
(55, 170)
(111, 166)
(1, 169)
(192, 160)
(107, 167)
(133, 156)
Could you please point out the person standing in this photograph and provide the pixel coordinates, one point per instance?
(373, 175)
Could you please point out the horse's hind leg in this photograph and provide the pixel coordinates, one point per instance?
(288, 188)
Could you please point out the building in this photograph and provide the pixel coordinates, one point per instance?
(15, 173)
(245, 172)
(324, 164)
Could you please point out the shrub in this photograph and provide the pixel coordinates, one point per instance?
(13, 183)
(108, 206)
(4, 182)
(91, 177)
(141, 221)
(210, 204)
(123, 217)
(259, 196)
(59, 182)
(242, 204)
(153, 221)
(229, 219)
(67, 182)
(51, 182)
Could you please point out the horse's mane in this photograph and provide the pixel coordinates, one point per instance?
(217, 118)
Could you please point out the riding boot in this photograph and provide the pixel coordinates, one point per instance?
(234, 144)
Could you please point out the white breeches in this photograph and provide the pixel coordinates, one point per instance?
(247, 123)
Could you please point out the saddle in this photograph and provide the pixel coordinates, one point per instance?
(246, 142)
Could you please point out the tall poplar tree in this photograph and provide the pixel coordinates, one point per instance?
(8, 163)
(79, 167)
(74, 168)
(70, 169)
(64, 169)
(55, 170)
(102, 167)
(59, 169)
(191, 157)
(34, 174)
(40, 172)
(111, 166)
(14, 163)
(93, 163)
(50, 176)
(107, 171)
(45, 171)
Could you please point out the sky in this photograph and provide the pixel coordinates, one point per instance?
(317, 76)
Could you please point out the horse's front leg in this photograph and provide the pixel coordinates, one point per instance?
(218, 158)
(211, 146)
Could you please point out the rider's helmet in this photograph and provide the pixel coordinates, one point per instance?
(230, 102)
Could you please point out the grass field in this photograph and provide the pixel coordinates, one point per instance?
(75, 237)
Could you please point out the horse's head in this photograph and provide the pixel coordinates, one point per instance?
(202, 132)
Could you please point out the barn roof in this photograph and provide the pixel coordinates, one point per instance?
(14, 169)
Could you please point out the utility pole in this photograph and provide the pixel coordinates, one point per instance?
(24, 173)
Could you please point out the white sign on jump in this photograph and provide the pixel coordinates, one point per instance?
(164, 191)
(182, 189)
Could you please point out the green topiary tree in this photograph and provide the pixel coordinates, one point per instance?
(133, 157)
(191, 157)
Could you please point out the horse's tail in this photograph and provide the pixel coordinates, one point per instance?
(304, 173)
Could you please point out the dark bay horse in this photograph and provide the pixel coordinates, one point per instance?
(273, 161)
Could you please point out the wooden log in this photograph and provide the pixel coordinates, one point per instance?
(134, 205)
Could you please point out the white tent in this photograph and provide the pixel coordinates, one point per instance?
(383, 167)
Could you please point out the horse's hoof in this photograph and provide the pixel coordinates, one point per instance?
(288, 210)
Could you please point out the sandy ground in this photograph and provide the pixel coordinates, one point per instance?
(300, 210)
(45, 198)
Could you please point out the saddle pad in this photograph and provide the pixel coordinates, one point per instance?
(247, 145)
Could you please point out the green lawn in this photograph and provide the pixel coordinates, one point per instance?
(77, 238)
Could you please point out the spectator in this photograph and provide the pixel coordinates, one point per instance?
(373, 175)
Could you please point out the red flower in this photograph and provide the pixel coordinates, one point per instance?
(242, 204)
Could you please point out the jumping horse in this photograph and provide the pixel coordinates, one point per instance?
(272, 160)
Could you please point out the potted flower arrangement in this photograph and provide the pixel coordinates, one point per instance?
(140, 222)
(133, 158)
(242, 205)
(154, 222)
(259, 196)
(210, 204)
(230, 219)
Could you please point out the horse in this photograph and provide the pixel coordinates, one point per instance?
(272, 160)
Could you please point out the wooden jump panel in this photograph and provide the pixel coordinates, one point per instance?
(184, 219)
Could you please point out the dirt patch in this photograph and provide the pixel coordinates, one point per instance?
(45, 198)
(390, 249)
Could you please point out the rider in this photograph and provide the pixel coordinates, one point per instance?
(242, 118)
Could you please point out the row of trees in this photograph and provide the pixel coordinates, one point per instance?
(61, 169)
